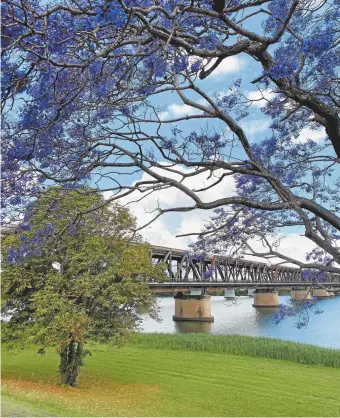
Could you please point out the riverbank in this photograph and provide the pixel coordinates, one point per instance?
(174, 378)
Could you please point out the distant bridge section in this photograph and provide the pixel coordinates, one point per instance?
(218, 271)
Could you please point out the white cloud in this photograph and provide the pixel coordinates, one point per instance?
(316, 3)
(163, 115)
(182, 110)
(178, 111)
(260, 97)
(253, 127)
(163, 231)
(316, 135)
(292, 245)
(228, 65)
(296, 246)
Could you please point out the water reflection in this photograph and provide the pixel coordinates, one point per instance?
(242, 318)
(264, 316)
(192, 326)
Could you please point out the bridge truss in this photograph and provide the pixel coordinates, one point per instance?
(183, 267)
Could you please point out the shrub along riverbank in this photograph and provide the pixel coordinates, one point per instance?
(241, 345)
(177, 375)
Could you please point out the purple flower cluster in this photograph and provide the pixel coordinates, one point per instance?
(318, 43)
(180, 64)
(299, 309)
(31, 245)
(209, 273)
(209, 42)
(195, 66)
(208, 145)
(112, 13)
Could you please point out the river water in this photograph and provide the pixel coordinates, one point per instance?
(241, 318)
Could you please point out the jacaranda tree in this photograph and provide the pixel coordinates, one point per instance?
(68, 281)
(81, 84)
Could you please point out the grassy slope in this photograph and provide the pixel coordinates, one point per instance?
(134, 381)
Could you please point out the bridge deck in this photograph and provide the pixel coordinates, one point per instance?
(224, 285)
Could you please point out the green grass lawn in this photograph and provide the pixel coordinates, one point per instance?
(135, 381)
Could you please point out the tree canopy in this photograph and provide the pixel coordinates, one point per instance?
(65, 282)
(81, 84)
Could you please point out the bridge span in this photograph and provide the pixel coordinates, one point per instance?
(219, 271)
(200, 274)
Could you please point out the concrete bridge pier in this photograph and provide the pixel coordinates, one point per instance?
(321, 293)
(192, 308)
(300, 294)
(266, 298)
(229, 293)
(331, 292)
(251, 292)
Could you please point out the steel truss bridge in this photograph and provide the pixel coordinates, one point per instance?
(186, 270)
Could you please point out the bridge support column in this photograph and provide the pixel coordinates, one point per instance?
(331, 292)
(192, 308)
(321, 293)
(266, 298)
(299, 294)
(229, 293)
(250, 292)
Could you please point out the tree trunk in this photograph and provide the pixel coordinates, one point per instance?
(63, 365)
(70, 362)
(75, 366)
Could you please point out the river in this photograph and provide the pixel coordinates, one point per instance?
(241, 318)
